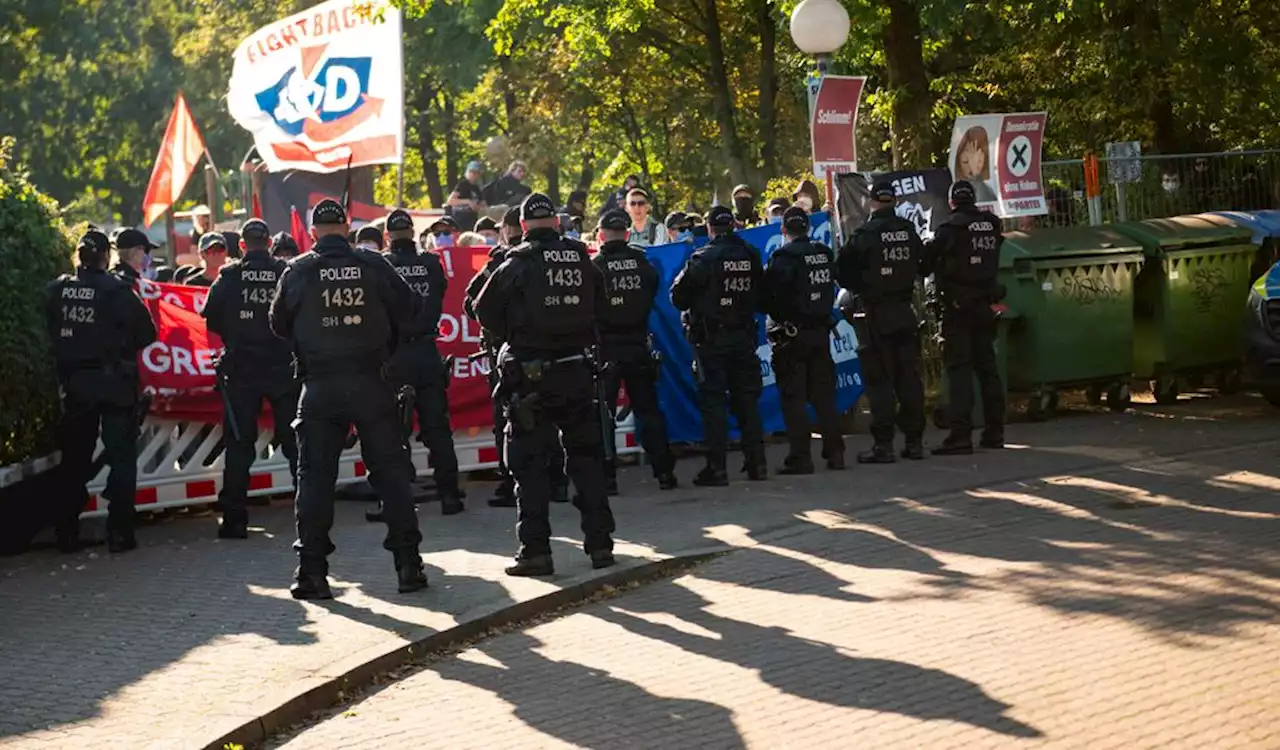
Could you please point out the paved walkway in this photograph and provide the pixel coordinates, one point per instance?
(173, 645)
(1133, 608)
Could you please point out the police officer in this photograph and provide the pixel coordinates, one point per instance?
(965, 258)
(97, 325)
(255, 366)
(544, 300)
(880, 264)
(417, 361)
(283, 246)
(799, 292)
(719, 287)
(342, 309)
(370, 238)
(505, 495)
(631, 284)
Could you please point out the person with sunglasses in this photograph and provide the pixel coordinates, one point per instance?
(645, 230)
(444, 233)
(679, 227)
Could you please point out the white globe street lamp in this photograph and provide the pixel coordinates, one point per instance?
(819, 28)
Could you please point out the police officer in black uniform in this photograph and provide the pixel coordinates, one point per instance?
(719, 289)
(799, 292)
(342, 308)
(255, 366)
(880, 264)
(284, 246)
(965, 258)
(97, 325)
(543, 301)
(631, 284)
(417, 361)
(505, 495)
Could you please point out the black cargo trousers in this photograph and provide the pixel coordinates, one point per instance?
(729, 378)
(245, 388)
(418, 363)
(631, 363)
(968, 350)
(806, 376)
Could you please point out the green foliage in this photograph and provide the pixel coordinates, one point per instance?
(35, 249)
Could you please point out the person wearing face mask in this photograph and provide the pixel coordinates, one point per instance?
(133, 255)
(776, 208)
(444, 232)
(806, 196)
(570, 227)
(370, 238)
(744, 207)
(487, 228)
(679, 227)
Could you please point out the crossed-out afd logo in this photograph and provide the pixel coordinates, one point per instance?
(323, 101)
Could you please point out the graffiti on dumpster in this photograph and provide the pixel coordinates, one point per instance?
(1088, 290)
(1208, 286)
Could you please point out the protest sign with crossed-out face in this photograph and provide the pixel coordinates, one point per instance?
(1001, 155)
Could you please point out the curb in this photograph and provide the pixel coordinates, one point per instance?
(330, 690)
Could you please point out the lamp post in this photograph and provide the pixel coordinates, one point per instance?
(819, 28)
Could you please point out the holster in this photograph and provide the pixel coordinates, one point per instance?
(405, 397)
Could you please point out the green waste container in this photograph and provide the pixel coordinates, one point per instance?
(941, 415)
(1073, 290)
(1188, 312)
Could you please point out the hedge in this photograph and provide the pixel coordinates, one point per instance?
(34, 249)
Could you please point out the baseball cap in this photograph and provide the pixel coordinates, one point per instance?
(743, 189)
(962, 192)
(795, 219)
(537, 206)
(615, 219)
(129, 237)
(370, 233)
(255, 229)
(283, 245)
(677, 219)
(212, 238)
(328, 211)
(781, 203)
(475, 166)
(486, 224)
(444, 222)
(95, 241)
(882, 191)
(720, 217)
(512, 217)
(399, 220)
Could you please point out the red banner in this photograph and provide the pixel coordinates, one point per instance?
(179, 366)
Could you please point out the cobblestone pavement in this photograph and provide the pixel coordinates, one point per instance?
(1133, 608)
(172, 645)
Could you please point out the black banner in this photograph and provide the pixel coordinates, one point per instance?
(922, 199)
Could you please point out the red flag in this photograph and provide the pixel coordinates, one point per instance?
(180, 151)
(298, 231)
(257, 207)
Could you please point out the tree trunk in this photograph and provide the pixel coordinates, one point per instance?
(508, 94)
(553, 181)
(910, 130)
(450, 125)
(731, 148)
(767, 109)
(426, 133)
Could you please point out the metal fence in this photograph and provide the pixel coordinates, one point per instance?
(1165, 186)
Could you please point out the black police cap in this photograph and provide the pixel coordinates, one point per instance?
(796, 220)
(486, 224)
(512, 217)
(94, 241)
(537, 206)
(615, 219)
(255, 229)
(962, 193)
(399, 220)
(882, 191)
(328, 211)
(444, 223)
(212, 238)
(283, 244)
(677, 219)
(720, 217)
(369, 233)
(128, 237)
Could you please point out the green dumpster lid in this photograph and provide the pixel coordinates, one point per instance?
(1064, 242)
(1184, 233)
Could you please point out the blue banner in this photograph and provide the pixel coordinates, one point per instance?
(677, 392)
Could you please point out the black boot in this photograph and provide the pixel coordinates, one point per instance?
(409, 573)
(992, 441)
(710, 477)
(233, 529)
(796, 466)
(119, 541)
(611, 487)
(374, 516)
(954, 447)
(504, 496)
(914, 450)
(560, 493)
(667, 480)
(450, 501)
(836, 463)
(310, 583)
(603, 558)
(538, 565)
(880, 453)
(68, 537)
